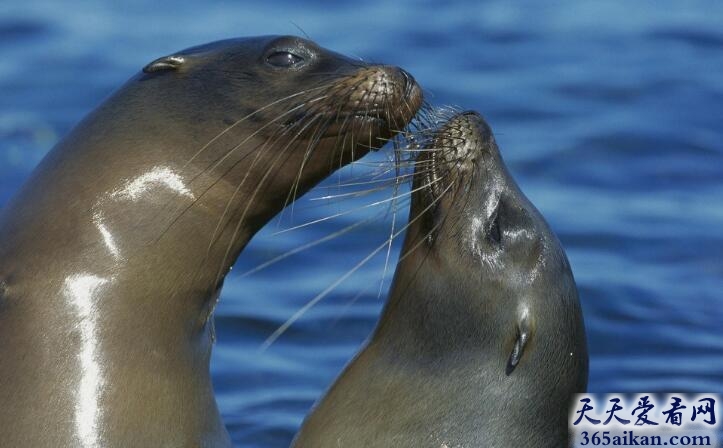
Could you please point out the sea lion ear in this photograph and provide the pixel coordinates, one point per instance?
(165, 63)
(524, 333)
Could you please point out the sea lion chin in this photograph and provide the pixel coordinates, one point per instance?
(113, 253)
(481, 341)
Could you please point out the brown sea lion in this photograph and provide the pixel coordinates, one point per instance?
(113, 253)
(481, 342)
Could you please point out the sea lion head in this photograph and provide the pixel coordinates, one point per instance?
(288, 108)
(483, 239)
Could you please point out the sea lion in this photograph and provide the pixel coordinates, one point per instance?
(481, 342)
(113, 253)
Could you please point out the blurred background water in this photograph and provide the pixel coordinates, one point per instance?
(609, 114)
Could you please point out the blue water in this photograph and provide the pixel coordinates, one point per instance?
(609, 114)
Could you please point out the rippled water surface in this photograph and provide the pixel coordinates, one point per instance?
(609, 114)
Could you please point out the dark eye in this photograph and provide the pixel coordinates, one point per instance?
(283, 59)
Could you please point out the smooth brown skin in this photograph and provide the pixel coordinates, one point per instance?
(113, 253)
(483, 274)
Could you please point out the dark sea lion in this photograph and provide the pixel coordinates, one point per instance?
(481, 342)
(113, 253)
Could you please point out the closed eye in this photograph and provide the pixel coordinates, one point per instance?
(494, 234)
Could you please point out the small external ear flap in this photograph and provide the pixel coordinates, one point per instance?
(524, 333)
(164, 64)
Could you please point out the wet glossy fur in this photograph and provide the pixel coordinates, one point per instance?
(113, 253)
(481, 342)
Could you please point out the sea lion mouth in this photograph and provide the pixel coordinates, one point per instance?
(432, 176)
(368, 118)
(444, 157)
(336, 124)
(447, 151)
(355, 118)
(373, 115)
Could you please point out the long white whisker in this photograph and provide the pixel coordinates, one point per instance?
(296, 316)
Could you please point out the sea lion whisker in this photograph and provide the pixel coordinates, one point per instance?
(301, 106)
(347, 139)
(387, 243)
(395, 195)
(421, 150)
(268, 143)
(214, 165)
(318, 133)
(306, 246)
(372, 147)
(299, 313)
(349, 136)
(346, 118)
(261, 150)
(346, 212)
(411, 221)
(344, 136)
(365, 114)
(217, 230)
(367, 181)
(340, 314)
(359, 193)
(244, 118)
(374, 163)
(184, 209)
(381, 183)
(312, 144)
(240, 144)
(228, 153)
(308, 207)
(367, 178)
(253, 197)
(419, 216)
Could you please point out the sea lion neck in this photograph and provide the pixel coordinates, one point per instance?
(443, 311)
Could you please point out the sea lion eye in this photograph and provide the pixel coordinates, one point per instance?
(283, 59)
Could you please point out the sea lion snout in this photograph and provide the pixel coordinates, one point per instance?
(462, 145)
(381, 92)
